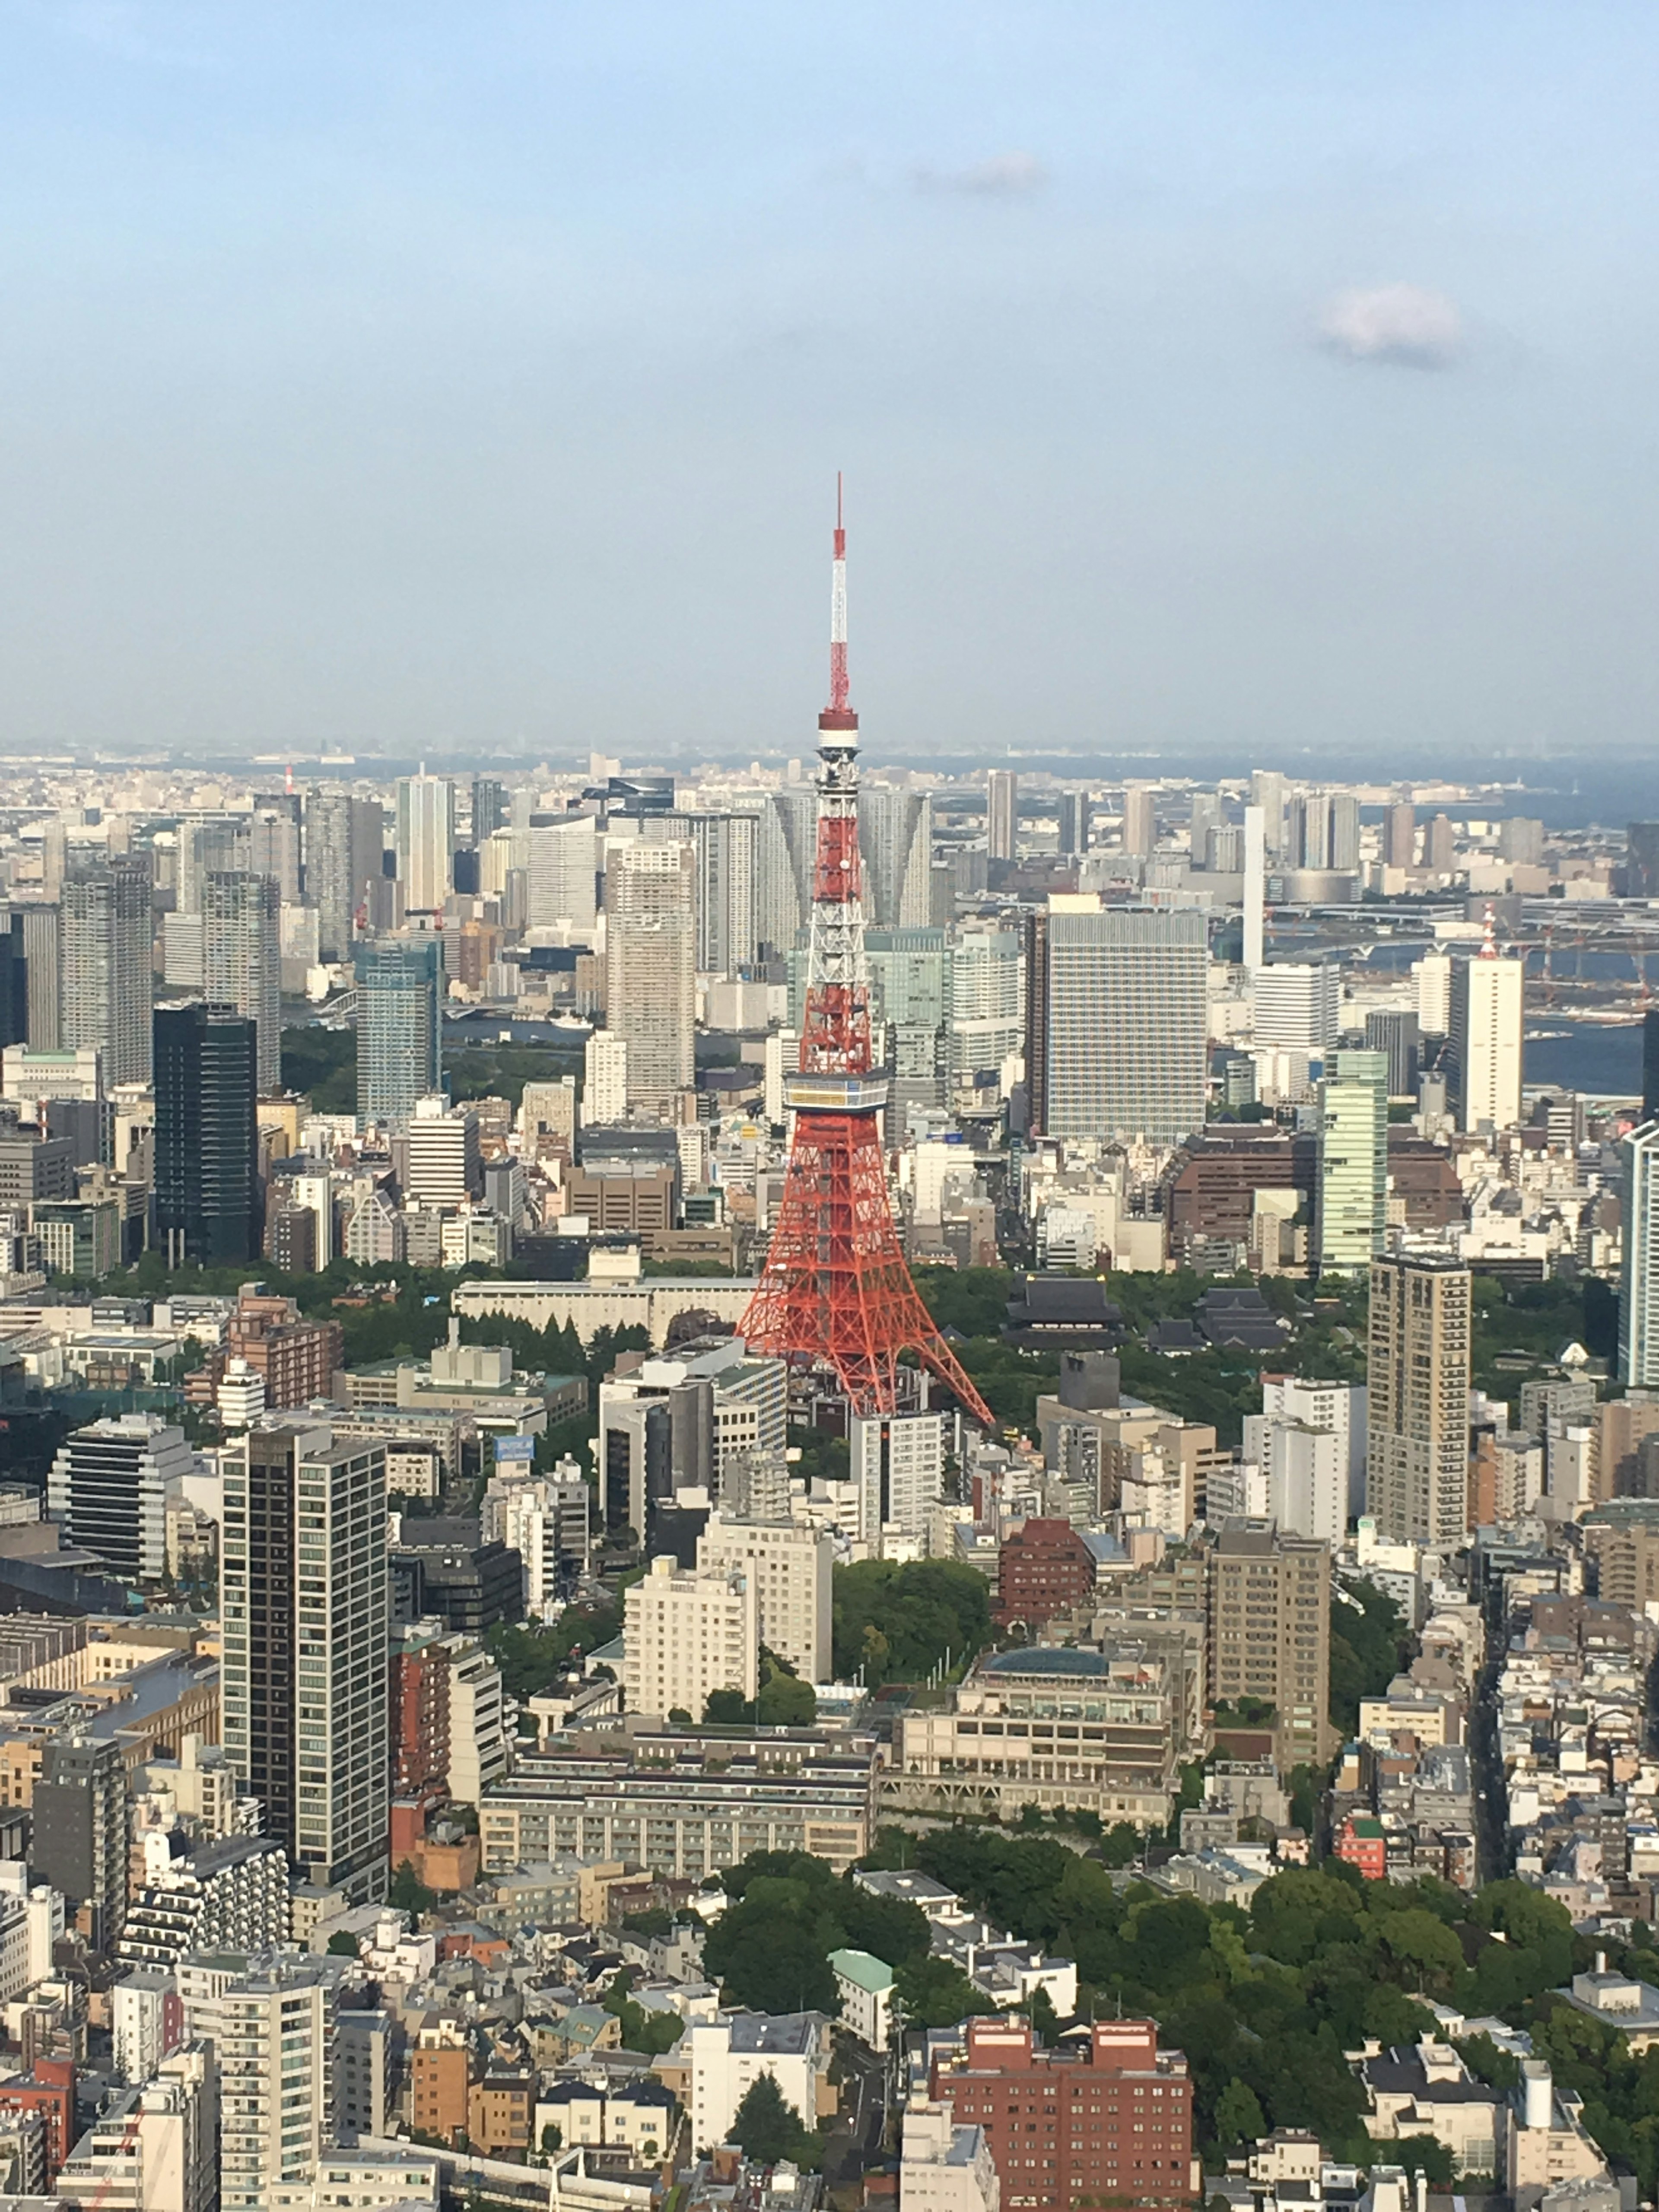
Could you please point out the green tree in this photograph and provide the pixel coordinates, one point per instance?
(769, 2129)
(786, 1701)
(1422, 2154)
(935, 1993)
(726, 1708)
(408, 1892)
(341, 1946)
(1238, 2117)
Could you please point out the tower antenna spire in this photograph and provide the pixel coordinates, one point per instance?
(836, 1293)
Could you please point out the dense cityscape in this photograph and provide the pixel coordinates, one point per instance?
(801, 1484)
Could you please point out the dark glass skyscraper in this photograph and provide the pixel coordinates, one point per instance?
(207, 1151)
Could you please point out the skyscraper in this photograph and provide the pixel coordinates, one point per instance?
(217, 846)
(1400, 835)
(1650, 1065)
(1397, 1034)
(1638, 1289)
(1001, 814)
(42, 958)
(605, 1080)
(273, 841)
(343, 841)
(1269, 1601)
(242, 962)
(106, 967)
(1140, 819)
(13, 981)
(1417, 1418)
(1483, 1054)
(561, 857)
(1297, 1005)
(650, 967)
(399, 1026)
(1126, 1022)
(490, 810)
(896, 838)
(426, 840)
(307, 1631)
(1074, 822)
(726, 847)
(984, 980)
(1353, 1161)
(206, 1146)
(1641, 861)
(1255, 887)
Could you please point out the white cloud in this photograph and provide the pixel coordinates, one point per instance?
(1403, 324)
(1003, 176)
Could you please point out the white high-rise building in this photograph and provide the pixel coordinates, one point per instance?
(897, 1461)
(105, 977)
(789, 1565)
(1306, 1473)
(242, 961)
(944, 2167)
(425, 840)
(724, 846)
(1126, 1021)
(1638, 1289)
(1338, 1406)
(687, 1634)
(1485, 1040)
(605, 1080)
(1255, 878)
(546, 1519)
(561, 857)
(156, 2148)
(268, 2018)
(1298, 1006)
(1433, 974)
(986, 998)
(445, 1167)
(651, 966)
(478, 1755)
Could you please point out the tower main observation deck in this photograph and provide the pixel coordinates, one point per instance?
(836, 1292)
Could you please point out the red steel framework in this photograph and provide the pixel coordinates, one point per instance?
(836, 1292)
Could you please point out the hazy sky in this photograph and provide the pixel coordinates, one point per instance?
(474, 376)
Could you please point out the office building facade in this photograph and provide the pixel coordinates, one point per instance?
(1353, 1162)
(1125, 1026)
(105, 974)
(307, 1624)
(1638, 1287)
(400, 989)
(107, 1491)
(425, 840)
(650, 967)
(78, 1832)
(344, 838)
(1484, 1049)
(206, 1142)
(242, 962)
(1001, 814)
(1416, 1427)
(1269, 1595)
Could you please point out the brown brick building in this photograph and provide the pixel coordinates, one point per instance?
(1110, 2122)
(438, 2086)
(1044, 1568)
(420, 1711)
(297, 1357)
(1214, 1179)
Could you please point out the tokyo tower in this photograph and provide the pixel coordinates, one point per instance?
(836, 1292)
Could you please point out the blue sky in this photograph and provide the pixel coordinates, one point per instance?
(1260, 377)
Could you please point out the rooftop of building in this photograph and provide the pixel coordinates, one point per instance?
(864, 1971)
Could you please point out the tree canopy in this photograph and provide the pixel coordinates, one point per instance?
(897, 1620)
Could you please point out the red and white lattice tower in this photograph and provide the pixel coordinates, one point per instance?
(836, 1292)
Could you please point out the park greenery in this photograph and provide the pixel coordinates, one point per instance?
(322, 1064)
(1264, 2002)
(897, 1620)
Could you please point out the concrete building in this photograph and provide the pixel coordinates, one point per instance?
(303, 1572)
(1484, 1049)
(605, 1079)
(1001, 814)
(400, 987)
(107, 980)
(1353, 1162)
(1298, 1006)
(1124, 1022)
(728, 2055)
(650, 967)
(897, 1462)
(108, 1489)
(944, 2167)
(1269, 1633)
(1417, 1402)
(268, 2018)
(1140, 2150)
(343, 840)
(445, 1165)
(561, 857)
(242, 962)
(1638, 1299)
(155, 2148)
(686, 1635)
(1340, 1406)
(1306, 1473)
(789, 1565)
(425, 836)
(228, 1895)
(865, 1986)
(547, 1519)
(78, 1841)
